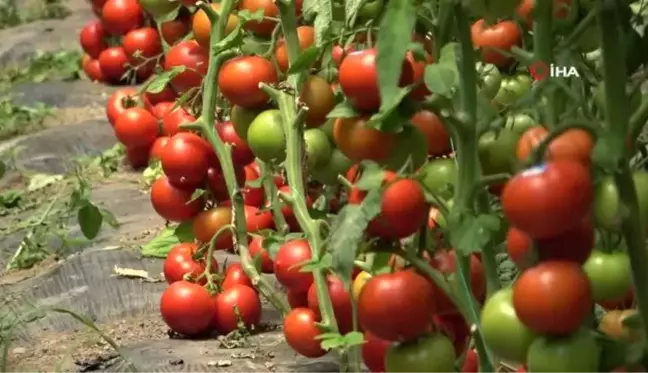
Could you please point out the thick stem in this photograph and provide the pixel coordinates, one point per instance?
(543, 51)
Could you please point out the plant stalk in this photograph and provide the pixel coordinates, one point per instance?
(543, 51)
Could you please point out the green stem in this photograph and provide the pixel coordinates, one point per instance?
(543, 51)
(270, 190)
(581, 28)
(224, 154)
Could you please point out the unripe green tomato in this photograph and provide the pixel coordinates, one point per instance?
(497, 151)
(371, 9)
(338, 164)
(578, 352)
(512, 89)
(266, 137)
(432, 353)
(490, 78)
(318, 147)
(519, 123)
(242, 118)
(609, 275)
(437, 174)
(607, 206)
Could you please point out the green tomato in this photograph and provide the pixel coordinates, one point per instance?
(609, 275)
(491, 79)
(411, 145)
(497, 151)
(493, 9)
(512, 89)
(519, 123)
(599, 98)
(327, 127)
(432, 353)
(242, 118)
(607, 207)
(501, 329)
(590, 40)
(266, 137)
(338, 164)
(159, 8)
(371, 9)
(437, 174)
(318, 147)
(578, 352)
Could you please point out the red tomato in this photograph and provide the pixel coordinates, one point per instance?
(166, 96)
(185, 160)
(174, 31)
(445, 262)
(502, 35)
(258, 220)
(574, 144)
(396, 306)
(373, 352)
(456, 328)
(172, 203)
(266, 26)
(180, 262)
(573, 245)
(301, 332)
(256, 249)
(92, 38)
(238, 301)
(172, 120)
(160, 110)
(239, 80)
(338, 53)
(341, 300)
(158, 147)
(438, 138)
(279, 181)
(471, 362)
(418, 71)
(121, 16)
(119, 101)
(142, 43)
(216, 181)
(235, 275)
(138, 157)
(136, 127)
(553, 297)
(92, 69)
(252, 196)
(288, 212)
(187, 308)
(189, 54)
(547, 200)
(287, 268)
(113, 62)
(306, 38)
(241, 152)
(297, 299)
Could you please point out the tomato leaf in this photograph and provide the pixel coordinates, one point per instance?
(323, 21)
(389, 118)
(351, 8)
(418, 51)
(170, 16)
(248, 16)
(315, 264)
(353, 339)
(372, 177)
(441, 78)
(170, 236)
(309, 9)
(330, 341)
(449, 53)
(232, 39)
(392, 46)
(305, 60)
(272, 244)
(197, 194)
(90, 220)
(470, 233)
(160, 81)
(109, 218)
(343, 110)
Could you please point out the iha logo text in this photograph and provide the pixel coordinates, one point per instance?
(540, 70)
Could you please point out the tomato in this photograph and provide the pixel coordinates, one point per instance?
(454, 326)
(561, 9)
(172, 120)
(270, 10)
(185, 160)
(92, 69)
(113, 63)
(258, 220)
(359, 282)
(92, 38)
(318, 148)
(119, 101)
(607, 207)
(235, 276)
(411, 150)
(158, 147)
(207, 223)
(497, 151)
(301, 332)
(371, 9)
(136, 127)
(512, 89)
(501, 35)
(241, 152)
(341, 301)
(287, 268)
(172, 203)
(438, 139)
(438, 175)
(252, 196)
(554, 297)
(360, 142)
(158, 8)
(396, 306)
(242, 118)
(445, 262)
(503, 332)
(138, 157)
(306, 37)
(520, 123)
(420, 92)
(620, 304)
(549, 199)
(257, 251)
(216, 181)
(374, 351)
(573, 245)
(187, 308)
(432, 353)
(175, 30)
(609, 274)
(180, 262)
(121, 16)
(201, 25)
(338, 164)
(358, 76)
(238, 302)
(141, 44)
(167, 97)
(579, 352)
(490, 79)
(471, 362)
(239, 79)
(297, 299)
(288, 212)
(187, 53)
(338, 53)
(574, 144)
(318, 96)
(266, 138)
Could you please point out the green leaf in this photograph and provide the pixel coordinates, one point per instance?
(272, 244)
(392, 46)
(351, 8)
(323, 21)
(315, 264)
(343, 110)
(90, 219)
(197, 194)
(170, 236)
(331, 341)
(354, 339)
(470, 233)
(418, 51)
(160, 81)
(109, 218)
(448, 53)
(170, 16)
(247, 16)
(3, 169)
(389, 118)
(309, 9)
(441, 78)
(305, 60)
(232, 39)
(184, 232)
(372, 177)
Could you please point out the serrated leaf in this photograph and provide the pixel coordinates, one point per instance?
(90, 220)
(170, 236)
(247, 16)
(441, 78)
(309, 8)
(351, 8)
(109, 218)
(372, 177)
(322, 24)
(331, 343)
(184, 232)
(160, 81)
(354, 339)
(343, 110)
(471, 233)
(305, 60)
(448, 53)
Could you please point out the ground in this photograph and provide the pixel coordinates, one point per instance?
(47, 126)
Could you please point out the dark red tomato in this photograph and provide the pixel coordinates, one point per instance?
(167, 96)
(456, 328)
(160, 110)
(301, 332)
(136, 127)
(239, 80)
(121, 16)
(176, 30)
(297, 299)
(338, 53)
(396, 306)
(360, 142)
(142, 43)
(143, 73)
(270, 10)
(187, 308)
(209, 222)
(252, 196)
(438, 138)
(471, 362)
(119, 101)
(553, 297)
(172, 121)
(216, 181)
(92, 69)
(92, 38)
(549, 199)
(341, 300)
(238, 302)
(257, 250)
(287, 268)
(113, 62)
(358, 77)
(374, 351)
(288, 212)
(180, 262)
(619, 304)
(185, 160)
(241, 152)
(445, 262)
(187, 53)
(158, 147)
(235, 275)
(138, 157)
(573, 245)
(172, 203)
(503, 35)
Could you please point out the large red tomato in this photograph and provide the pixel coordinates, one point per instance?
(374, 351)
(121, 16)
(173, 31)
(190, 55)
(306, 37)
(359, 142)
(549, 199)
(241, 152)
(301, 332)
(181, 261)
(119, 101)
(172, 120)
(172, 203)
(574, 144)
(287, 268)
(238, 302)
(235, 276)
(113, 62)
(341, 300)
(185, 160)
(187, 308)
(158, 147)
(430, 124)
(92, 38)
(136, 127)
(502, 35)
(270, 10)
(160, 110)
(239, 80)
(141, 44)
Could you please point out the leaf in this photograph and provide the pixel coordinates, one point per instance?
(197, 194)
(248, 16)
(272, 244)
(372, 177)
(90, 220)
(184, 232)
(471, 233)
(160, 81)
(309, 9)
(3, 169)
(448, 53)
(392, 46)
(40, 181)
(109, 218)
(343, 110)
(305, 60)
(351, 8)
(354, 339)
(170, 236)
(330, 341)
(170, 16)
(441, 78)
(323, 21)
(418, 51)
(233, 38)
